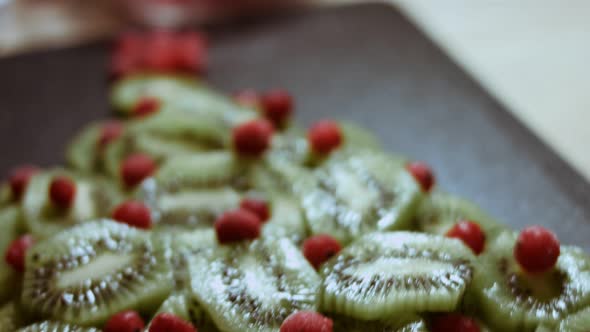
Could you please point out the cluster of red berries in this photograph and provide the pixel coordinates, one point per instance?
(131, 321)
(160, 51)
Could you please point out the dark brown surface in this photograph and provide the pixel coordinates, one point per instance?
(364, 63)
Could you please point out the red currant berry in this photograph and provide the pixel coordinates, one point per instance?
(422, 174)
(252, 138)
(470, 233)
(307, 321)
(536, 249)
(454, 323)
(277, 106)
(320, 248)
(166, 322)
(257, 206)
(146, 106)
(19, 179)
(324, 137)
(130, 42)
(191, 55)
(109, 132)
(124, 321)
(247, 98)
(134, 214)
(62, 192)
(136, 168)
(160, 52)
(237, 225)
(17, 251)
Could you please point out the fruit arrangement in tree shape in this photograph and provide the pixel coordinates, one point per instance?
(201, 212)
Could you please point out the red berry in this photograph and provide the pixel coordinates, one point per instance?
(166, 322)
(130, 43)
(307, 321)
(454, 323)
(237, 225)
(17, 251)
(19, 178)
(277, 106)
(109, 132)
(252, 138)
(320, 248)
(62, 192)
(470, 233)
(160, 52)
(257, 206)
(123, 65)
(422, 174)
(134, 214)
(191, 52)
(146, 106)
(536, 249)
(124, 321)
(324, 136)
(247, 98)
(136, 168)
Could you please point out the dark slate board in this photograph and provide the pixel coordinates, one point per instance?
(362, 63)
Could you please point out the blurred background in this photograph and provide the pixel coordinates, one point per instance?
(532, 55)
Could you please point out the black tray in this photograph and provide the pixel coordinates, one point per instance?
(364, 63)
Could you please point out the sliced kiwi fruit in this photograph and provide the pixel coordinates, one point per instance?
(49, 326)
(578, 322)
(180, 93)
(286, 220)
(439, 212)
(391, 274)
(5, 195)
(180, 304)
(94, 198)
(405, 323)
(512, 300)
(357, 194)
(253, 286)
(82, 153)
(10, 317)
(88, 273)
(10, 229)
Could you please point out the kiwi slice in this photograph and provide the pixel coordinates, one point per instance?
(253, 286)
(10, 317)
(180, 93)
(82, 153)
(353, 195)
(10, 228)
(511, 300)
(5, 195)
(384, 275)
(49, 326)
(405, 323)
(94, 270)
(180, 304)
(439, 212)
(94, 198)
(286, 220)
(578, 322)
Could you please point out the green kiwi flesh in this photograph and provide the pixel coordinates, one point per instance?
(391, 274)
(577, 322)
(512, 300)
(10, 317)
(82, 153)
(286, 220)
(49, 326)
(89, 272)
(10, 229)
(358, 194)
(253, 286)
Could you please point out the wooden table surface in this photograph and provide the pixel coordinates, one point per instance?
(532, 55)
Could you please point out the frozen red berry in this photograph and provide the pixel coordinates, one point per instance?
(257, 206)
(136, 168)
(247, 98)
(320, 248)
(536, 249)
(146, 106)
(124, 321)
(470, 233)
(324, 137)
(160, 51)
(62, 192)
(277, 106)
(19, 178)
(127, 55)
(166, 322)
(191, 52)
(252, 138)
(133, 213)
(17, 251)
(307, 321)
(422, 173)
(454, 323)
(109, 132)
(237, 225)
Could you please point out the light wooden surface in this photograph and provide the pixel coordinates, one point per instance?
(533, 55)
